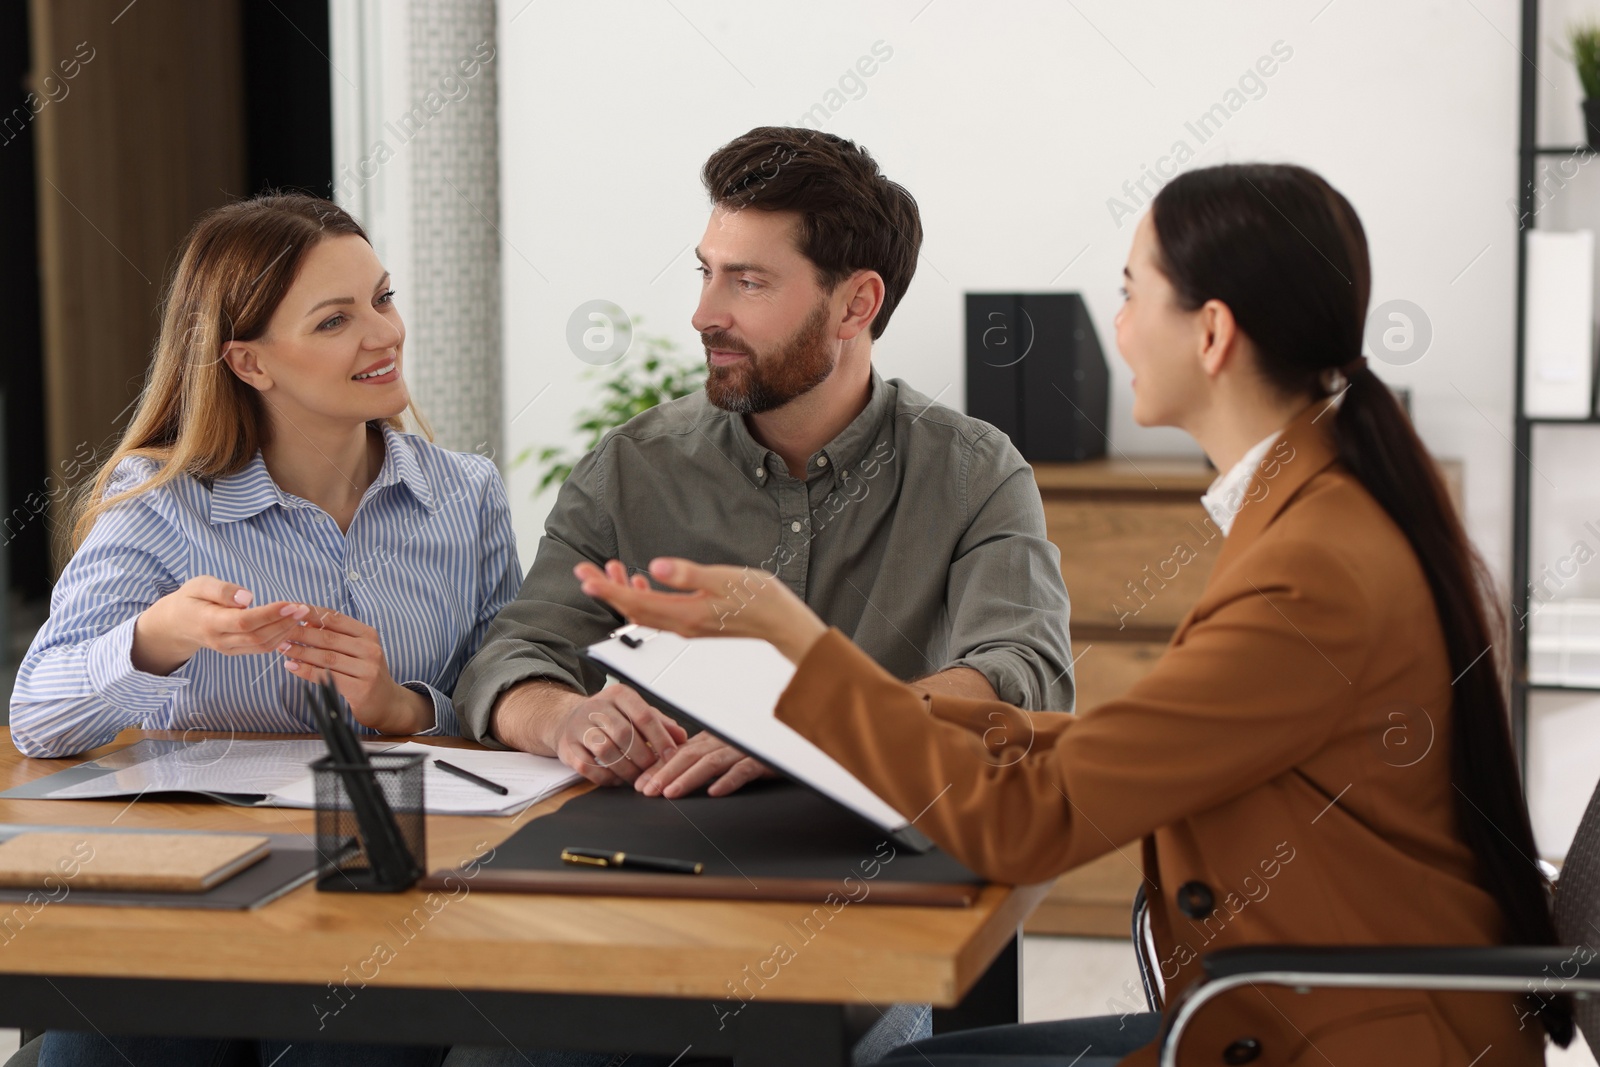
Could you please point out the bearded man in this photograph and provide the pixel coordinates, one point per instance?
(914, 529)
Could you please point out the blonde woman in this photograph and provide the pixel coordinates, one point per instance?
(263, 519)
(265, 482)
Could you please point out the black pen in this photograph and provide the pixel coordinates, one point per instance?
(599, 857)
(469, 776)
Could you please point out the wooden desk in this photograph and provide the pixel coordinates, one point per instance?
(594, 973)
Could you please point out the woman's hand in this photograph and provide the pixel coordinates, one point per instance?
(352, 656)
(718, 602)
(207, 612)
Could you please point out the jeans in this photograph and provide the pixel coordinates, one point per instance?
(1100, 1041)
(75, 1048)
(900, 1023)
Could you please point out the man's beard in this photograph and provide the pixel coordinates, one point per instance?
(760, 383)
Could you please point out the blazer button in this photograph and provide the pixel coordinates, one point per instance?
(1244, 1050)
(1195, 901)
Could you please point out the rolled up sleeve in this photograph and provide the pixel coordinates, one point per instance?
(539, 633)
(1008, 604)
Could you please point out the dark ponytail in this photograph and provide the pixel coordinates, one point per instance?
(1287, 254)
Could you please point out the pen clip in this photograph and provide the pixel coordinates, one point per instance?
(633, 635)
(568, 856)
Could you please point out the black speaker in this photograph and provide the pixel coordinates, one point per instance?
(1035, 370)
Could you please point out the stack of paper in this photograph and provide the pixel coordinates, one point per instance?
(527, 778)
(1558, 335)
(277, 774)
(1564, 643)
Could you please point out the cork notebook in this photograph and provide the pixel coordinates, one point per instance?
(157, 862)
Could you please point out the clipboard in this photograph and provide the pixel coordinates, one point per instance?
(730, 687)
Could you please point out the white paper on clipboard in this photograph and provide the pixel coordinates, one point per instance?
(731, 686)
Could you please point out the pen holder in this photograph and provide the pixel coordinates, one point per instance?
(345, 864)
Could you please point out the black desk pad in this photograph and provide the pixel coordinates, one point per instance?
(769, 829)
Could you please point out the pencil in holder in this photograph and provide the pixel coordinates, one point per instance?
(371, 829)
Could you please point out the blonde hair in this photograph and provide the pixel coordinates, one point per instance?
(195, 416)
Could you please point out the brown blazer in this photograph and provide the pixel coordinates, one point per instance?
(1287, 764)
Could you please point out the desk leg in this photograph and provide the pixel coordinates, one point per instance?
(996, 998)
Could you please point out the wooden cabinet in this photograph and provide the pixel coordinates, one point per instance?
(1136, 550)
(153, 136)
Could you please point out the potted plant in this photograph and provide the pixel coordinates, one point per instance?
(1584, 40)
(637, 384)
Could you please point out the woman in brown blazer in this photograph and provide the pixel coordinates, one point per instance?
(1321, 756)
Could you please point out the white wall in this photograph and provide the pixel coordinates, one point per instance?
(1013, 124)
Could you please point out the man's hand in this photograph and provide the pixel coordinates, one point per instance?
(613, 737)
(701, 759)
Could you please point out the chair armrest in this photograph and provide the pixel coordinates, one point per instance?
(1422, 961)
(1493, 969)
(1144, 952)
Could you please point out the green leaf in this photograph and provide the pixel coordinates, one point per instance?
(656, 375)
(1584, 39)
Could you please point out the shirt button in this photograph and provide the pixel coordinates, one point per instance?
(761, 472)
(822, 461)
(795, 526)
(354, 576)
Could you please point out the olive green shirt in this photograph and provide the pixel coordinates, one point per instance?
(917, 531)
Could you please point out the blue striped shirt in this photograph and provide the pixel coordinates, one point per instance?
(428, 561)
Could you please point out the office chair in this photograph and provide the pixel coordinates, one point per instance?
(1573, 968)
(28, 1054)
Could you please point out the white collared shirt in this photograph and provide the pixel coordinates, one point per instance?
(1227, 494)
